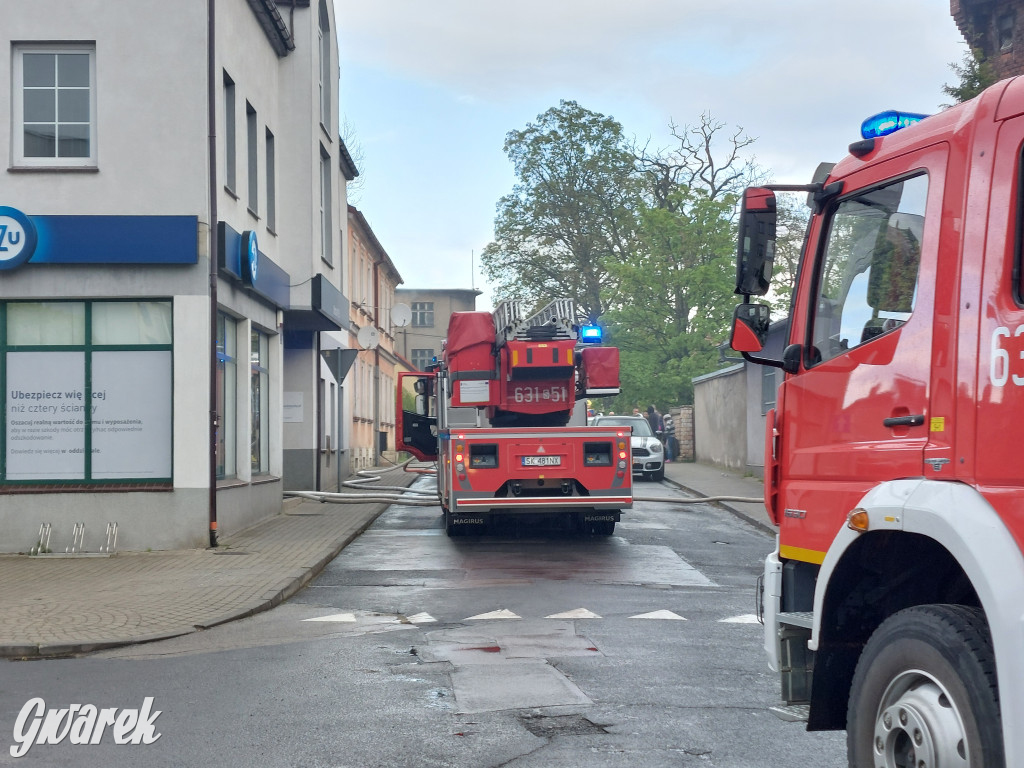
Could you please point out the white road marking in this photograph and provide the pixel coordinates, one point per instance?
(578, 613)
(659, 615)
(504, 613)
(501, 613)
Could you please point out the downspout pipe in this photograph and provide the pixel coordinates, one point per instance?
(376, 363)
(211, 118)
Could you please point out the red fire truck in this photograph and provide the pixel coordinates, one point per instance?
(497, 415)
(893, 603)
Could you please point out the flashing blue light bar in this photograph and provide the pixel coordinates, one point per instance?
(591, 334)
(888, 122)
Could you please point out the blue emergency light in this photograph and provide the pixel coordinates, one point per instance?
(590, 334)
(888, 122)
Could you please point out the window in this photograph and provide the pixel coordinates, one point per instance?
(260, 393)
(230, 178)
(1004, 31)
(54, 105)
(88, 389)
(868, 277)
(271, 183)
(325, 206)
(226, 394)
(769, 389)
(252, 149)
(324, 53)
(421, 358)
(423, 314)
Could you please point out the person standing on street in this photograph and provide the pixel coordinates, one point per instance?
(655, 420)
(670, 436)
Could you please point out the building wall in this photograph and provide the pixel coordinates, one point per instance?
(719, 418)
(152, 159)
(373, 383)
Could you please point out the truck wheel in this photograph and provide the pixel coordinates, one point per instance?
(925, 694)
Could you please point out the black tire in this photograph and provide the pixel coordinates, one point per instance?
(659, 475)
(925, 693)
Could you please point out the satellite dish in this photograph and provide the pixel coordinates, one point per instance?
(368, 337)
(401, 315)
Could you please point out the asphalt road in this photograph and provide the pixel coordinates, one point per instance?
(519, 649)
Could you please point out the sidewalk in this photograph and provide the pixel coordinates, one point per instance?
(707, 480)
(64, 606)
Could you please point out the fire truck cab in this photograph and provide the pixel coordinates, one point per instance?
(893, 604)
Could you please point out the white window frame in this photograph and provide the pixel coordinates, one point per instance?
(326, 244)
(324, 66)
(230, 137)
(271, 171)
(252, 149)
(18, 106)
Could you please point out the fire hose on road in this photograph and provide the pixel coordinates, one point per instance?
(416, 497)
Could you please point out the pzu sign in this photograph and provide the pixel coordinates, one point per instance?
(17, 238)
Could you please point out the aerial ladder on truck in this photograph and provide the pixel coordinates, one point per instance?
(500, 413)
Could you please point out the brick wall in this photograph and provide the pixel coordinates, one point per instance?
(682, 420)
(997, 28)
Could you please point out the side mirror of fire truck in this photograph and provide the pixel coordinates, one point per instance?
(756, 252)
(424, 388)
(750, 323)
(750, 327)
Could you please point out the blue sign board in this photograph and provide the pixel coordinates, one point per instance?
(96, 239)
(239, 256)
(17, 238)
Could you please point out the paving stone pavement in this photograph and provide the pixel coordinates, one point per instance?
(64, 606)
(54, 606)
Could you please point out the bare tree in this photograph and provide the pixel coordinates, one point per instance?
(355, 187)
(704, 158)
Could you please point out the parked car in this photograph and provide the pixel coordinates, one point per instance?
(648, 452)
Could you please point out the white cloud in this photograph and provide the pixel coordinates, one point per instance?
(799, 75)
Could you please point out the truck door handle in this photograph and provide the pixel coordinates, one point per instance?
(915, 420)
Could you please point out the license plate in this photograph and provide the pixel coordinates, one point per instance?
(542, 461)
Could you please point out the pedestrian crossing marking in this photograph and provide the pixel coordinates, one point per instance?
(501, 613)
(746, 618)
(659, 615)
(578, 613)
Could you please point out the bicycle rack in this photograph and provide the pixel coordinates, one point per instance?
(77, 540)
(43, 540)
(111, 546)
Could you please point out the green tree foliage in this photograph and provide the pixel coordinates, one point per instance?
(975, 73)
(679, 287)
(643, 241)
(572, 213)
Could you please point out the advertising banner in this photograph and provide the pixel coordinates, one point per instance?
(46, 409)
(131, 416)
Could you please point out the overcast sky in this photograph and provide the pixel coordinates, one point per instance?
(430, 88)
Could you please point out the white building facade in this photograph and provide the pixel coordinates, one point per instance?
(173, 224)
